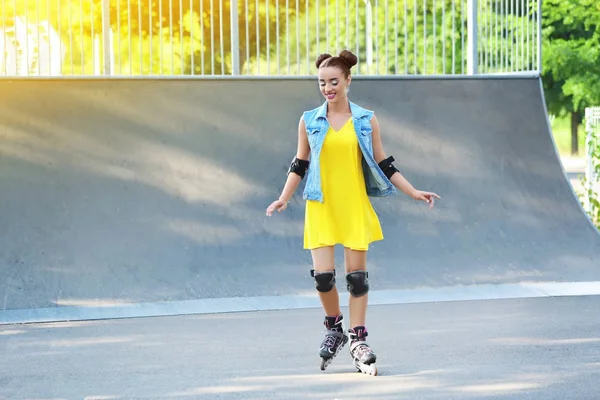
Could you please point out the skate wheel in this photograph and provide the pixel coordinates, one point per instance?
(325, 363)
(367, 369)
(374, 371)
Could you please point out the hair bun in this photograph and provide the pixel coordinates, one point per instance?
(321, 58)
(349, 58)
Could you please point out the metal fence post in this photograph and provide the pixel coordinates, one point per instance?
(106, 37)
(472, 58)
(539, 37)
(369, 34)
(235, 38)
(592, 117)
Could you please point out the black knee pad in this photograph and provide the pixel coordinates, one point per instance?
(358, 283)
(324, 281)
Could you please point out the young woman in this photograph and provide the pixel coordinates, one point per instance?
(347, 164)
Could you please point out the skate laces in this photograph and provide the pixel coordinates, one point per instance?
(329, 340)
(361, 348)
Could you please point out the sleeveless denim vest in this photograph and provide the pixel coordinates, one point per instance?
(377, 184)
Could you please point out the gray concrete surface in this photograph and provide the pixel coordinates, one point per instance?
(545, 348)
(134, 191)
(303, 301)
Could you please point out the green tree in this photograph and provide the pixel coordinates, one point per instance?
(571, 61)
(420, 39)
(399, 41)
(424, 41)
(195, 37)
(590, 196)
(159, 36)
(69, 19)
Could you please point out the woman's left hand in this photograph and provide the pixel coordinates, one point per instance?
(428, 197)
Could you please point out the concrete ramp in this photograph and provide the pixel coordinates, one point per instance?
(143, 191)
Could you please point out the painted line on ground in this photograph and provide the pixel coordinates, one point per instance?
(292, 302)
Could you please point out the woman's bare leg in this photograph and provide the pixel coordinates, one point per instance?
(323, 262)
(335, 337)
(356, 268)
(356, 260)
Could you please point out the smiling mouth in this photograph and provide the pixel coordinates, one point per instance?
(330, 95)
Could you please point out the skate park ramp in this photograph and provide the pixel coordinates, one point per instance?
(121, 196)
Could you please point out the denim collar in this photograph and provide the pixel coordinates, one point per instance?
(356, 110)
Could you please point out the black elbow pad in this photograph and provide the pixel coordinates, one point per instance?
(298, 167)
(387, 167)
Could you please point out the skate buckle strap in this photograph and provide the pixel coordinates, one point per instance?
(333, 332)
(334, 321)
(361, 332)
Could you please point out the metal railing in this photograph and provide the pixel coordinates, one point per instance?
(267, 37)
(592, 150)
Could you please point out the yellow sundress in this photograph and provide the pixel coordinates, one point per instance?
(346, 215)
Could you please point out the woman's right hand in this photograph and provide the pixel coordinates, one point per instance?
(278, 205)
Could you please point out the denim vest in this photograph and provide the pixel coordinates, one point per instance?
(377, 184)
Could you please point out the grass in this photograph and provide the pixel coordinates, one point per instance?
(561, 130)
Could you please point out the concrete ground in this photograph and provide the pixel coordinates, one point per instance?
(545, 348)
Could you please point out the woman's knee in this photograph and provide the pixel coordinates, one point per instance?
(357, 277)
(357, 283)
(323, 270)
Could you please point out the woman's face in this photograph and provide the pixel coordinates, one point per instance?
(333, 84)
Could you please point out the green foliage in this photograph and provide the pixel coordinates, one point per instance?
(410, 39)
(591, 192)
(280, 36)
(158, 36)
(561, 132)
(571, 54)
